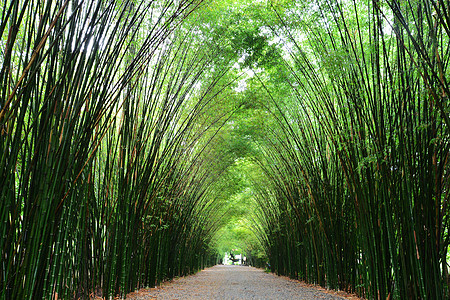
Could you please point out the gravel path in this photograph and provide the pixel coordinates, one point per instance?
(234, 282)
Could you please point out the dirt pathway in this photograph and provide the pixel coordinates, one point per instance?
(234, 282)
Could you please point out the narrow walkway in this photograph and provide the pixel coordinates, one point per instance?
(234, 282)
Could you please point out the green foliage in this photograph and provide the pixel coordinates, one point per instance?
(236, 234)
(103, 188)
(357, 168)
(141, 140)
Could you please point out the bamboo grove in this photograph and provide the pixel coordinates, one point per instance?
(103, 185)
(122, 122)
(356, 189)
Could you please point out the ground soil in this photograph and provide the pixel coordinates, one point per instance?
(237, 282)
